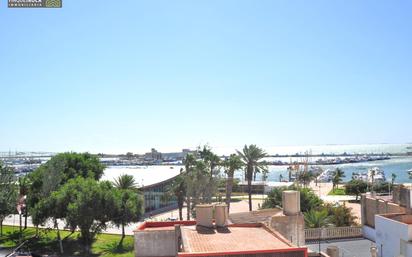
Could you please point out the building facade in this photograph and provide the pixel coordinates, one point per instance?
(156, 199)
(393, 235)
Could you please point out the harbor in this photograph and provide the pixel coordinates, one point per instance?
(353, 160)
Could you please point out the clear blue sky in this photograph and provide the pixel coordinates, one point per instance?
(117, 76)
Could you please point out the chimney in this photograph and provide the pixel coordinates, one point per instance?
(221, 215)
(291, 202)
(204, 215)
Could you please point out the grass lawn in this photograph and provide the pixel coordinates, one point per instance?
(104, 245)
(337, 191)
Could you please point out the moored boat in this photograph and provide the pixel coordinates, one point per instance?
(376, 175)
(326, 176)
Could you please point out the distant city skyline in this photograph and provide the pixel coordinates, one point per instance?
(129, 76)
(271, 150)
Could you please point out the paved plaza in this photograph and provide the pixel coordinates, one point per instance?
(347, 248)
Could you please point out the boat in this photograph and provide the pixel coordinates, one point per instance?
(326, 176)
(360, 176)
(315, 170)
(410, 172)
(376, 175)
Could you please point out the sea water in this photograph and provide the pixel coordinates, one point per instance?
(396, 165)
(147, 175)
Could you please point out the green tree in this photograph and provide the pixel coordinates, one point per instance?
(129, 203)
(382, 187)
(210, 158)
(252, 157)
(129, 208)
(51, 176)
(356, 187)
(372, 175)
(177, 190)
(86, 204)
(23, 184)
(338, 175)
(78, 164)
(125, 182)
(231, 164)
(274, 198)
(58, 170)
(308, 199)
(305, 178)
(8, 193)
(317, 219)
(340, 215)
(200, 186)
(189, 163)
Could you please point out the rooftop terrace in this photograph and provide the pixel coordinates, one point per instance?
(252, 239)
(197, 239)
(399, 217)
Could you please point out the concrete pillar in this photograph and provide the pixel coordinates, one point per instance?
(291, 202)
(332, 251)
(291, 227)
(178, 239)
(363, 209)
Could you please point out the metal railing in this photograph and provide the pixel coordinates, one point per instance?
(332, 233)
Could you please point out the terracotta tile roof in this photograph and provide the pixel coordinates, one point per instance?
(162, 225)
(230, 239)
(259, 216)
(159, 228)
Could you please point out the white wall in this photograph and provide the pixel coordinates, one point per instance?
(369, 233)
(154, 243)
(389, 234)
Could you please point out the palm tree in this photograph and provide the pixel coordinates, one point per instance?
(316, 219)
(372, 174)
(125, 182)
(392, 182)
(252, 158)
(231, 164)
(23, 184)
(178, 190)
(337, 178)
(189, 161)
(210, 158)
(305, 178)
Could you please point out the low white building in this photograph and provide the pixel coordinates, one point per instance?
(393, 235)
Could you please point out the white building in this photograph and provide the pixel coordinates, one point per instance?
(393, 235)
